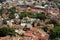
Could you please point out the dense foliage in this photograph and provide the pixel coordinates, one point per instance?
(52, 22)
(41, 16)
(24, 14)
(7, 31)
(31, 15)
(55, 33)
(4, 21)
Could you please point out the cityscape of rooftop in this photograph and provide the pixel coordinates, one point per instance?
(29, 19)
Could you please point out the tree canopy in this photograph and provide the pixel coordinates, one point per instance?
(41, 16)
(24, 14)
(55, 33)
(7, 31)
(53, 22)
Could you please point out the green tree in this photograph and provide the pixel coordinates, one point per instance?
(24, 14)
(12, 10)
(57, 30)
(7, 31)
(4, 21)
(45, 29)
(53, 22)
(11, 16)
(55, 33)
(56, 39)
(41, 16)
(1, 10)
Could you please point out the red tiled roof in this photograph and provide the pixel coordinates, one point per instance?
(35, 38)
(1, 19)
(28, 33)
(38, 35)
(5, 38)
(21, 39)
(34, 29)
(50, 25)
(34, 10)
(54, 11)
(46, 36)
(4, 14)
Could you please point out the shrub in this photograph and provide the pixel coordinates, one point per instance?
(7, 31)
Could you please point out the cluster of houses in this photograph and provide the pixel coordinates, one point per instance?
(32, 6)
(30, 28)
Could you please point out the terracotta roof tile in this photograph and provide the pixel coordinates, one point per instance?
(38, 35)
(34, 29)
(35, 38)
(21, 39)
(5, 38)
(46, 37)
(28, 33)
(1, 19)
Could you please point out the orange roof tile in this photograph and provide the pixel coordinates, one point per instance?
(4, 14)
(38, 35)
(50, 25)
(5, 38)
(46, 36)
(35, 10)
(34, 29)
(28, 33)
(54, 11)
(21, 39)
(1, 19)
(35, 38)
